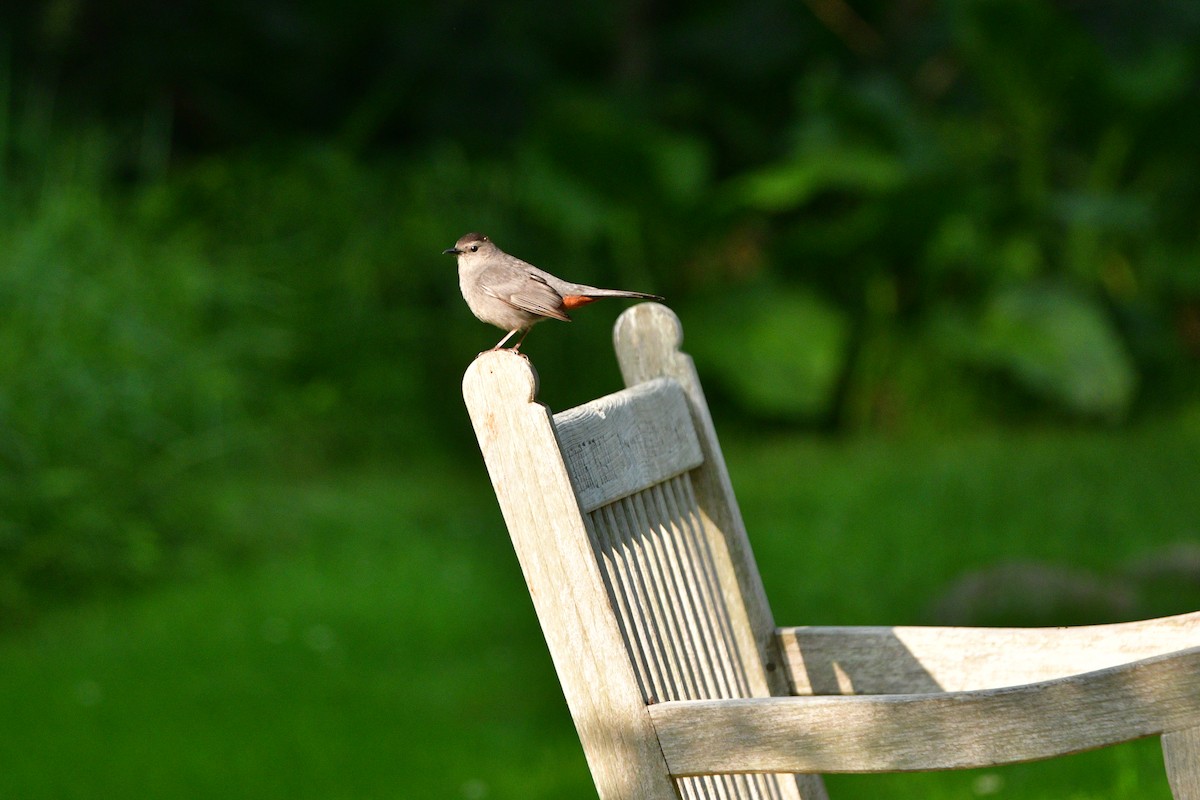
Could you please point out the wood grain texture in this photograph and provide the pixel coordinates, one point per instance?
(628, 441)
(956, 730)
(647, 338)
(624, 521)
(678, 626)
(517, 438)
(1181, 753)
(871, 660)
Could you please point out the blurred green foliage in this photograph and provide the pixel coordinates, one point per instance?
(117, 380)
(220, 227)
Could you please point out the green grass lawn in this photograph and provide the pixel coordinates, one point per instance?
(388, 648)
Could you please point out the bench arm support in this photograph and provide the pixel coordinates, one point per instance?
(952, 730)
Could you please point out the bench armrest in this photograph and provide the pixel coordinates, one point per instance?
(952, 730)
(904, 660)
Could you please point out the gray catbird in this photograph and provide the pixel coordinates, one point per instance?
(506, 292)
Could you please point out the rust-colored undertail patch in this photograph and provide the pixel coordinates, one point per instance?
(577, 300)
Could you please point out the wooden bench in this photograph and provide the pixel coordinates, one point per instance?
(679, 682)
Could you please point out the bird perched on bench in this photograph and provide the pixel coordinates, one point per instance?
(513, 295)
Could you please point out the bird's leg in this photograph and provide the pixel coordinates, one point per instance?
(517, 346)
(508, 336)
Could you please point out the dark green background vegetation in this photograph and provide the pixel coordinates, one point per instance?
(969, 224)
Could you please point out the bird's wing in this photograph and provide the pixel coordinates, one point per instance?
(525, 289)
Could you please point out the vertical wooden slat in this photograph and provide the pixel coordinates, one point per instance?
(679, 627)
(692, 597)
(550, 536)
(1181, 752)
(635, 580)
(717, 610)
(647, 338)
(643, 533)
(662, 681)
(630, 619)
(659, 570)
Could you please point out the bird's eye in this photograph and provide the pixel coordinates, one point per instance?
(474, 248)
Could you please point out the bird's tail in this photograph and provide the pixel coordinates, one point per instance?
(590, 294)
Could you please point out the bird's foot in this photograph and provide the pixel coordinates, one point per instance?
(513, 350)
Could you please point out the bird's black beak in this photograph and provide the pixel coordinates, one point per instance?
(452, 251)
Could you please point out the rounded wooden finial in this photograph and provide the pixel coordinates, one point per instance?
(649, 324)
(504, 373)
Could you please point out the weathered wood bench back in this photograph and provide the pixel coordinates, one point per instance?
(680, 685)
(664, 562)
(650, 499)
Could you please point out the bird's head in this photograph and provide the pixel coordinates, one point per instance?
(469, 244)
